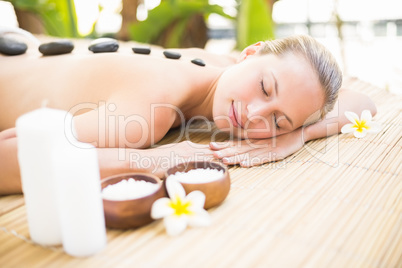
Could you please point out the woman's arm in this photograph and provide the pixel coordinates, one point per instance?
(255, 152)
(111, 160)
(10, 182)
(348, 101)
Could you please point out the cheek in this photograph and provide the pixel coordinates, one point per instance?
(237, 83)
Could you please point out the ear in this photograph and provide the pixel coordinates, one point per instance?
(250, 50)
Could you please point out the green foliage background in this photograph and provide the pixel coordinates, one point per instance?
(175, 13)
(253, 22)
(58, 16)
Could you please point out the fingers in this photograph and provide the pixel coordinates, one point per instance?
(229, 149)
(243, 153)
(231, 153)
(251, 159)
(234, 160)
(248, 143)
(220, 145)
(228, 152)
(8, 134)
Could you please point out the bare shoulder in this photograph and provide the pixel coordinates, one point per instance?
(214, 59)
(124, 122)
(361, 100)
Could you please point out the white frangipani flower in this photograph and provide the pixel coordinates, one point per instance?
(180, 210)
(360, 127)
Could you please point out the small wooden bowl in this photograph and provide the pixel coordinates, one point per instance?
(215, 191)
(131, 213)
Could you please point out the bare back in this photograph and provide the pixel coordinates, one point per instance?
(83, 83)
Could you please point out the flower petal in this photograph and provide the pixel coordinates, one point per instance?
(197, 199)
(366, 116)
(374, 127)
(351, 116)
(174, 189)
(360, 134)
(175, 224)
(200, 218)
(348, 128)
(160, 208)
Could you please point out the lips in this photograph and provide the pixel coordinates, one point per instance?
(233, 115)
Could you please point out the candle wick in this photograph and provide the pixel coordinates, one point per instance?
(45, 102)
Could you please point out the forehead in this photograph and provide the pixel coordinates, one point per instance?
(289, 62)
(299, 90)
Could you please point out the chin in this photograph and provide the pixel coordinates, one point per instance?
(235, 133)
(239, 134)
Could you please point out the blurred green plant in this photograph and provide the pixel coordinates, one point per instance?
(254, 22)
(58, 16)
(172, 21)
(168, 24)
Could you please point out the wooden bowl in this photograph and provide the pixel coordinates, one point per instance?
(131, 213)
(215, 191)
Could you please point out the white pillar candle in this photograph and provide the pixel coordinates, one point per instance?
(61, 183)
(80, 201)
(39, 133)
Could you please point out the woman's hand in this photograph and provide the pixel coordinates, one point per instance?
(184, 151)
(157, 160)
(251, 152)
(10, 181)
(154, 160)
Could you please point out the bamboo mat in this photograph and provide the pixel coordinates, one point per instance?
(335, 203)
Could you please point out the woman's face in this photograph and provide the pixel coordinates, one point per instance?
(265, 96)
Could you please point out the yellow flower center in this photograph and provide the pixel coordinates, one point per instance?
(360, 125)
(180, 207)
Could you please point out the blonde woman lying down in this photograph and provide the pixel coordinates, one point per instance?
(275, 97)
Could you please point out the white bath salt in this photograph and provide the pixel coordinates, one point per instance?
(199, 175)
(129, 189)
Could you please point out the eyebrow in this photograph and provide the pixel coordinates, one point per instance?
(276, 94)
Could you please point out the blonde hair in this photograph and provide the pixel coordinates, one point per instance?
(321, 60)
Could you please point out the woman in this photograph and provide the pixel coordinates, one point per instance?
(272, 99)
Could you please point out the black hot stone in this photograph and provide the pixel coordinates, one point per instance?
(56, 47)
(199, 62)
(12, 47)
(104, 45)
(142, 50)
(172, 55)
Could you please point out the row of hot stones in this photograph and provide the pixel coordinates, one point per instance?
(9, 46)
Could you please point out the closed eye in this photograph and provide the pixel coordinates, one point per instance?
(276, 122)
(262, 88)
